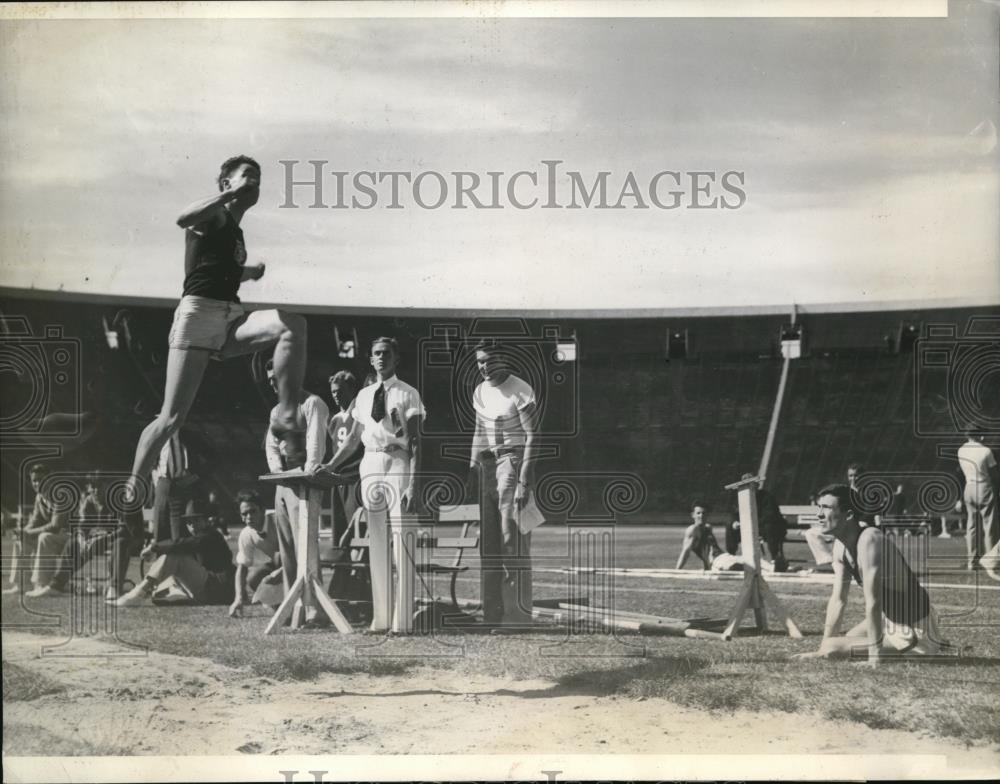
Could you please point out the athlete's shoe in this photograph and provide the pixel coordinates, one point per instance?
(111, 594)
(12, 589)
(990, 563)
(134, 599)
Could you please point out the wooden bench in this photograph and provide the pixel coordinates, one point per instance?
(805, 516)
(466, 514)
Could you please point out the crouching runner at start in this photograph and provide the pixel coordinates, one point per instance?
(899, 618)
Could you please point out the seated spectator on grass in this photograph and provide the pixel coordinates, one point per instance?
(200, 564)
(219, 511)
(44, 534)
(771, 525)
(92, 539)
(257, 559)
(699, 539)
(899, 618)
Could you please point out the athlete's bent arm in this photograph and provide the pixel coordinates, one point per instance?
(413, 436)
(870, 558)
(834, 611)
(241, 587)
(273, 451)
(345, 451)
(252, 272)
(527, 417)
(209, 210)
(686, 547)
(838, 600)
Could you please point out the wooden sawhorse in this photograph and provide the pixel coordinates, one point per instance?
(307, 590)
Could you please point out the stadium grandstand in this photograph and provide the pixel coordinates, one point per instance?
(681, 399)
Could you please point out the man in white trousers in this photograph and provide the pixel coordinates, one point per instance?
(386, 419)
(982, 485)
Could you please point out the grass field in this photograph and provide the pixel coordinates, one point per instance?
(958, 698)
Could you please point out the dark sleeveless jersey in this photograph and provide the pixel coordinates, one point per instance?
(213, 261)
(904, 599)
(338, 430)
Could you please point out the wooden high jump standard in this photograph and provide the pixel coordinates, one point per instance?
(307, 590)
(755, 590)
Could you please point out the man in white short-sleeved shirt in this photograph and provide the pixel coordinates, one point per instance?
(982, 485)
(386, 418)
(256, 551)
(283, 455)
(501, 458)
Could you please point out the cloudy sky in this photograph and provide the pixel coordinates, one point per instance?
(868, 147)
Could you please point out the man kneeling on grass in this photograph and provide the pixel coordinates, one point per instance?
(899, 618)
(257, 558)
(200, 564)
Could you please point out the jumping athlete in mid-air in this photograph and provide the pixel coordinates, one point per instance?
(211, 323)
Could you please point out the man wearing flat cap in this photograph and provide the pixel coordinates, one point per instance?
(200, 564)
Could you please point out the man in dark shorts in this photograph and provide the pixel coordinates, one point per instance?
(211, 323)
(899, 618)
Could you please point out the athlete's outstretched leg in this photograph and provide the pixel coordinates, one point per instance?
(185, 369)
(287, 333)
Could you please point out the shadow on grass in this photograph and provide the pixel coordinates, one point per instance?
(30, 740)
(618, 680)
(963, 661)
(589, 683)
(307, 666)
(20, 684)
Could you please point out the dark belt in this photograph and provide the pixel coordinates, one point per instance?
(388, 448)
(503, 451)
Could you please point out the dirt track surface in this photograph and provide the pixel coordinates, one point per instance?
(159, 704)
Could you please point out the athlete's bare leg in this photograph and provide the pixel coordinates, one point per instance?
(287, 333)
(185, 370)
(186, 367)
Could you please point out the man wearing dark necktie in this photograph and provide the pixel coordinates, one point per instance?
(386, 419)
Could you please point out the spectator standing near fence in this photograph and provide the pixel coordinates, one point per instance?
(500, 464)
(982, 486)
